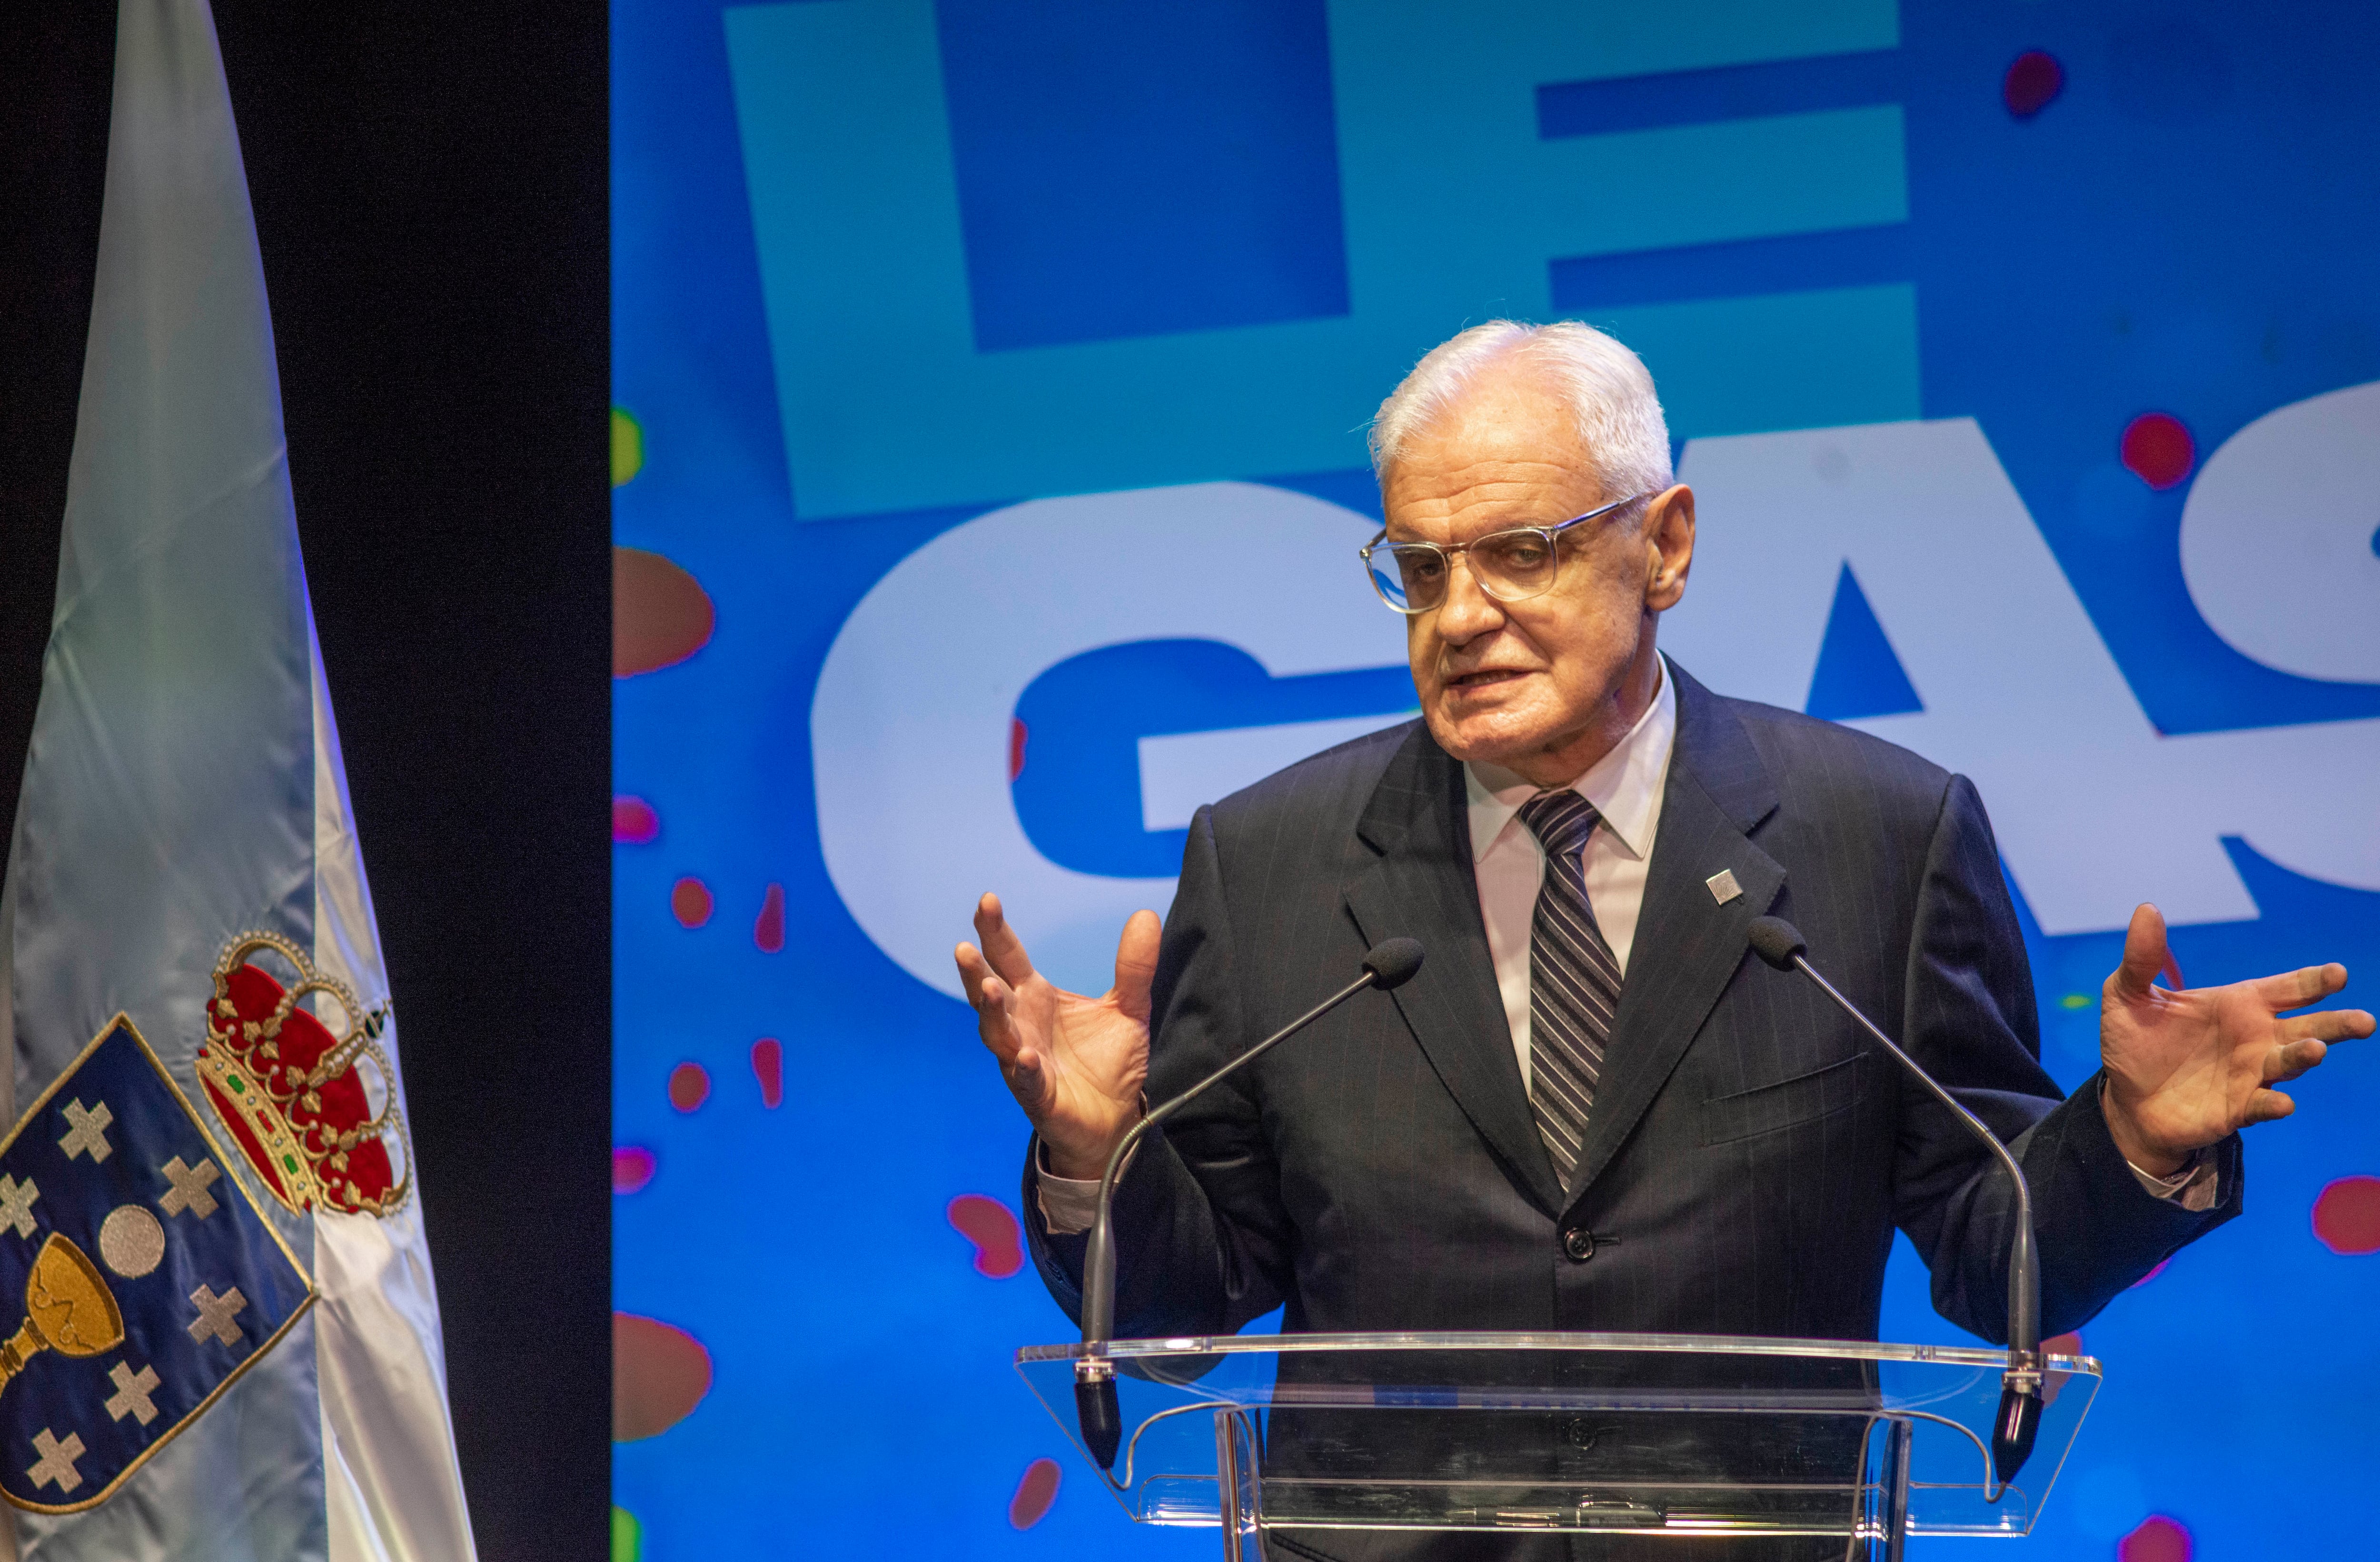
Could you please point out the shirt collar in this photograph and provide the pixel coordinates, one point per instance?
(1625, 785)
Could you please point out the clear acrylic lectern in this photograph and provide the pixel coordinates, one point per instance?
(1668, 1435)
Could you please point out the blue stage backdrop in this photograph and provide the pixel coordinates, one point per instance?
(2026, 360)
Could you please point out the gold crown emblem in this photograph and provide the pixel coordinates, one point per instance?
(290, 1091)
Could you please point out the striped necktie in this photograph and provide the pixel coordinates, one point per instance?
(1573, 980)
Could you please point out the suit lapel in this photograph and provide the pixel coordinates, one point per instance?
(1687, 945)
(1420, 884)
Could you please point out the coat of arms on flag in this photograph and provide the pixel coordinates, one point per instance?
(144, 1278)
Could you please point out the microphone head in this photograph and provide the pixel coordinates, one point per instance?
(2014, 1432)
(1775, 940)
(1392, 962)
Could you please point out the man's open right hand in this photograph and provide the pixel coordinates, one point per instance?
(1076, 1065)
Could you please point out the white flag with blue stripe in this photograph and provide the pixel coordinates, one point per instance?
(219, 1332)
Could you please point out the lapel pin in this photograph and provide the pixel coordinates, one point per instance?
(1723, 886)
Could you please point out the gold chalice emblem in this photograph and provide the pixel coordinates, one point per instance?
(69, 1308)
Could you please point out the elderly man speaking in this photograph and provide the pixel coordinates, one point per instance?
(1593, 1109)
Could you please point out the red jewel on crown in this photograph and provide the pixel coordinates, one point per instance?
(291, 1091)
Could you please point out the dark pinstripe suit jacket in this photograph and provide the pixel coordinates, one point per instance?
(1749, 1154)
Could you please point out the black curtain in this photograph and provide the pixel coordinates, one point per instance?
(430, 186)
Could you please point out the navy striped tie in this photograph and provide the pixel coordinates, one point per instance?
(1573, 980)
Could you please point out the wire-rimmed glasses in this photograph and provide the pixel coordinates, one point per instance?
(1510, 566)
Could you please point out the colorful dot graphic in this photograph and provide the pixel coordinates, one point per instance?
(1035, 1493)
(633, 823)
(769, 927)
(2159, 450)
(631, 1168)
(2033, 82)
(1016, 748)
(2068, 1343)
(2158, 1539)
(690, 1086)
(2347, 1215)
(659, 1374)
(998, 1244)
(769, 1067)
(690, 902)
(627, 445)
(660, 615)
(627, 1536)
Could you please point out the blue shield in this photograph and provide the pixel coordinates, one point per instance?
(138, 1277)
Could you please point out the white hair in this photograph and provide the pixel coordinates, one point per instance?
(1607, 387)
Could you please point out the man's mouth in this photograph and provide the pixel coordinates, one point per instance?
(1486, 678)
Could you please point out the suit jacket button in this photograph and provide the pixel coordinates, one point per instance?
(1579, 1243)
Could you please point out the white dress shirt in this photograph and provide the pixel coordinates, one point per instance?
(1625, 786)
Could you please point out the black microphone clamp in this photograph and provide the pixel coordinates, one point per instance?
(1776, 941)
(1389, 964)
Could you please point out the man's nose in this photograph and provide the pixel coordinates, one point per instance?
(1467, 611)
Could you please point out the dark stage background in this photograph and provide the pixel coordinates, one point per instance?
(429, 183)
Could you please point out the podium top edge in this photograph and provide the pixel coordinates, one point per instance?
(1701, 1344)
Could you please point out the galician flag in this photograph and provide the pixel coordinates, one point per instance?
(219, 1333)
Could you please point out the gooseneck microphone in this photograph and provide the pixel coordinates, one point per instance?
(1775, 940)
(1391, 963)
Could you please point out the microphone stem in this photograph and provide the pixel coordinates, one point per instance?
(2024, 1284)
(1099, 1257)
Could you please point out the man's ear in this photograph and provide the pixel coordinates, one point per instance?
(1668, 546)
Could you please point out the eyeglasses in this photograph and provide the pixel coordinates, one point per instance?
(1509, 566)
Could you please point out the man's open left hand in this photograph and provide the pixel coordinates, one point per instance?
(2189, 1069)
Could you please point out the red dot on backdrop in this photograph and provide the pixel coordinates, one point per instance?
(659, 1374)
(2068, 1343)
(2158, 449)
(634, 821)
(2151, 1274)
(998, 1244)
(769, 927)
(660, 615)
(2033, 80)
(1016, 748)
(690, 1086)
(690, 902)
(769, 1067)
(2347, 1215)
(1033, 1495)
(631, 1168)
(2158, 1539)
